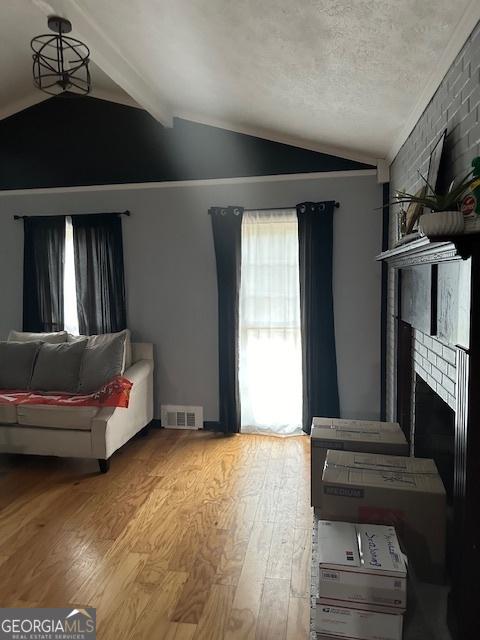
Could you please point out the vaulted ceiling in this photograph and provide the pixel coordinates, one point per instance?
(341, 76)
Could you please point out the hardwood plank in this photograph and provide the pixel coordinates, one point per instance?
(242, 623)
(32, 567)
(19, 513)
(109, 580)
(237, 511)
(272, 619)
(184, 631)
(203, 519)
(156, 621)
(213, 621)
(258, 551)
(301, 563)
(298, 621)
(267, 504)
(201, 578)
(120, 620)
(232, 558)
(65, 584)
(281, 551)
(286, 505)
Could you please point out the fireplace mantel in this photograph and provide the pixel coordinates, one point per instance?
(426, 250)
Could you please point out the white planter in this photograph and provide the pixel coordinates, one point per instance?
(441, 223)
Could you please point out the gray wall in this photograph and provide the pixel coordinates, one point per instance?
(455, 107)
(171, 280)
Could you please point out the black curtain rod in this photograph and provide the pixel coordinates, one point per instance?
(337, 205)
(116, 213)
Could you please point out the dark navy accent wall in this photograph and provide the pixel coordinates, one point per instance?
(68, 141)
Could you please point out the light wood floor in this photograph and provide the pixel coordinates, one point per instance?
(191, 535)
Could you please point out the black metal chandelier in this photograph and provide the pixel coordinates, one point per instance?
(60, 63)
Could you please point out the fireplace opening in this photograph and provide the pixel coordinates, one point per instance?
(434, 435)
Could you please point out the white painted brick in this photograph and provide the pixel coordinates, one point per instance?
(450, 355)
(448, 385)
(442, 365)
(452, 372)
(432, 382)
(427, 341)
(419, 337)
(452, 401)
(421, 372)
(437, 374)
(442, 393)
(422, 350)
(427, 366)
(432, 358)
(437, 348)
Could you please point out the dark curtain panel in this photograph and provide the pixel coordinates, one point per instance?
(227, 237)
(315, 236)
(99, 273)
(43, 267)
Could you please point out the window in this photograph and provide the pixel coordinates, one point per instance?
(270, 375)
(73, 274)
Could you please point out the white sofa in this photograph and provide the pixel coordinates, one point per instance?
(82, 432)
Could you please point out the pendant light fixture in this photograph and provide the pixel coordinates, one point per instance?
(60, 63)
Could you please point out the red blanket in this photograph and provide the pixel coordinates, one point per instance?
(115, 393)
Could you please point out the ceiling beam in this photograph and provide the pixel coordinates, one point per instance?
(107, 55)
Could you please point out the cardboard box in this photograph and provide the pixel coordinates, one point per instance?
(342, 622)
(350, 435)
(361, 564)
(406, 493)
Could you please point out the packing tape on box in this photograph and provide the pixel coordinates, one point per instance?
(386, 469)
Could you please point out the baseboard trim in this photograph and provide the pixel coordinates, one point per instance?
(212, 425)
(208, 425)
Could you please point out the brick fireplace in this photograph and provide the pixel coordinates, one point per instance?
(437, 395)
(436, 363)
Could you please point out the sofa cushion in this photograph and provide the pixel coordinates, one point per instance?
(102, 361)
(27, 336)
(17, 360)
(8, 414)
(102, 338)
(58, 367)
(53, 417)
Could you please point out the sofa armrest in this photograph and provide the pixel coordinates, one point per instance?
(142, 351)
(112, 427)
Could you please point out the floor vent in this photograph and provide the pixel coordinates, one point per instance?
(181, 417)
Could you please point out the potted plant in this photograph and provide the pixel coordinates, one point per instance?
(445, 218)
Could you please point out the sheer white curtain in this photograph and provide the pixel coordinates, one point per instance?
(69, 287)
(270, 374)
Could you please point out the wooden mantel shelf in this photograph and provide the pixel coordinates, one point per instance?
(430, 251)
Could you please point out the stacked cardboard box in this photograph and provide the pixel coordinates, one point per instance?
(407, 493)
(362, 587)
(350, 435)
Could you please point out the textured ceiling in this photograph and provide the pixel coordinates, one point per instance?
(343, 73)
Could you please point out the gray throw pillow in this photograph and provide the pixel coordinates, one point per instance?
(103, 338)
(17, 360)
(27, 336)
(58, 367)
(102, 361)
